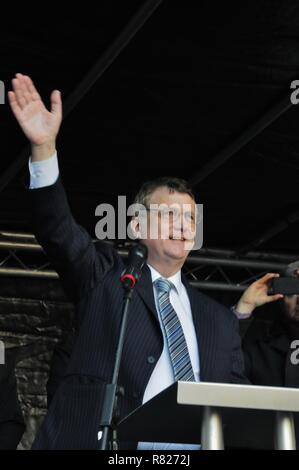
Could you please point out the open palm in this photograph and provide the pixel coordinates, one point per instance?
(38, 124)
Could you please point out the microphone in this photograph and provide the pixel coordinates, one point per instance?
(137, 258)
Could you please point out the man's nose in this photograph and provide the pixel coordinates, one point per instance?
(177, 223)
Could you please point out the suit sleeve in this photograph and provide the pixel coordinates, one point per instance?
(67, 245)
(238, 369)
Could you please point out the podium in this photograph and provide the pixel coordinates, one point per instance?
(217, 416)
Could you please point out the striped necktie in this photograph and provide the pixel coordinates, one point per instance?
(177, 346)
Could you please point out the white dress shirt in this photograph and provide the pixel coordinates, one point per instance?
(43, 173)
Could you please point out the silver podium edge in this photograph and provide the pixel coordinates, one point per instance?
(210, 396)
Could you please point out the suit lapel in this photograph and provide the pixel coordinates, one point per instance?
(203, 322)
(144, 287)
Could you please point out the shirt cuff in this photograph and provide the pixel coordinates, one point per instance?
(43, 173)
(239, 315)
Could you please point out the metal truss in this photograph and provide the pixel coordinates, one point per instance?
(208, 268)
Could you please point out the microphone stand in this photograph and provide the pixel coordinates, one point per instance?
(112, 391)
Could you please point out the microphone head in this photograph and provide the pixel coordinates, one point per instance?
(137, 257)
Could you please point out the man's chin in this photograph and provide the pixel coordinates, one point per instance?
(177, 249)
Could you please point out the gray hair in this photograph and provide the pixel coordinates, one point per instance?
(173, 184)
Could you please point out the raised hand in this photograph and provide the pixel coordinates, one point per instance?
(38, 124)
(256, 295)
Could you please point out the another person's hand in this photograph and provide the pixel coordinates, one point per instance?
(38, 124)
(256, 295)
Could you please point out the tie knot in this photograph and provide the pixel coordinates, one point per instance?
(163, 285)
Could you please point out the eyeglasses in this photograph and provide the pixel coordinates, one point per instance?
(172, 213)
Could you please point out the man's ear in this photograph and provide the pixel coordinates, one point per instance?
(134, 229)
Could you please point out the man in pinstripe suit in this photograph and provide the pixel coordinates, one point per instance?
(207, 345)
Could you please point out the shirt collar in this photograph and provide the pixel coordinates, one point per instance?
(176, 279)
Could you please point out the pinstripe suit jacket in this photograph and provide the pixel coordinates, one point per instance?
(90, 276)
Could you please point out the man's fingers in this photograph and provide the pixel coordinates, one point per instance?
(18, 89)
(26, 90)
(268, 276)
(273, 298)
(56, 103)
(31, 88)
(14, 104)
(25, 87)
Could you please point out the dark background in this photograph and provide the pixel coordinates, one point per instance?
(192, 80)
